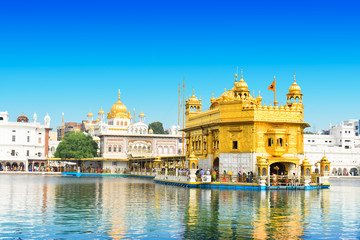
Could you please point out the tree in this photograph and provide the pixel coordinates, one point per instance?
(157, 127)
(76, 145)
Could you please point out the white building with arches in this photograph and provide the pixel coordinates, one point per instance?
(120, 137)
(340, 144)
(23, 144)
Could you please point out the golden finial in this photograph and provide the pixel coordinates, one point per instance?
(193, 91)
(241, 74)
(236, 74)
(119, 94)
(253, 94)
(294, 76)
(225, 89)
(259, 93)
(212, 94)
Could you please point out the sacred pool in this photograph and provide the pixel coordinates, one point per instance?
(47, 207)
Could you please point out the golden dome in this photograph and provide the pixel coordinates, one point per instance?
(141, 114)
(91, 127)
(259, 98)
(294, 88)
(101, 112)
(324, 159)
(306, 162)
(98, 119)
(228, 95)
(193, 99)
(241, 85)
(118, 110)
(151, 131)
(90, 114)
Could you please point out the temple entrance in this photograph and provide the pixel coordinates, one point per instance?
(216, 163)
(278, 168)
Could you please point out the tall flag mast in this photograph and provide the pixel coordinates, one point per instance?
(63, 127)
(272, 88)
(183, 142)
(179, 107)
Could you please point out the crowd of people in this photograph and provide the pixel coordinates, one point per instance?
(229, 176)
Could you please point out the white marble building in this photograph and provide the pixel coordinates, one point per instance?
(120, 138)
(23, 144)
(340, 144)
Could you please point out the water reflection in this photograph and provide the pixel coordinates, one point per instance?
(40, 207)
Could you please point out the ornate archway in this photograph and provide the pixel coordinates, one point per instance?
(277, 168)
(216, 163)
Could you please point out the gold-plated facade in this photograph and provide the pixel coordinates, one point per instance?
(238, 127)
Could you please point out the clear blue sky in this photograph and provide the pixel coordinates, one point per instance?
(73, 56)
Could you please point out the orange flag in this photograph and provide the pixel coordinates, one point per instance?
(272, 86)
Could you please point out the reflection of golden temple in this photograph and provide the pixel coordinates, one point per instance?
(238, 127)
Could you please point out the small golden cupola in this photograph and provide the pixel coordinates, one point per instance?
(101, 114)
(118, 110)
(294, 97)
(259, 99)
(213, 99)
(241, 87)
(142, 117)
(90, 116)
(193, 104)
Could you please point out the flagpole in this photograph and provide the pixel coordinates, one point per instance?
(183, 140)
(179, 107)
(274, 92)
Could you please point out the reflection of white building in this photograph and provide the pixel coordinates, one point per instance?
(341, 144)
(23, 143)
(121, 138)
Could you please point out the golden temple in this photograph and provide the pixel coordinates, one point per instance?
(238, 131)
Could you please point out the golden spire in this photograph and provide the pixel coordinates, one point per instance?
(294, 76)
(236, 74)
(241, 74)
(119, 95)
(193, 91)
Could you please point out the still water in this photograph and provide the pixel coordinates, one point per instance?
(40, 207)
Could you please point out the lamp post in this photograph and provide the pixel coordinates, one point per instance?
(277, 169)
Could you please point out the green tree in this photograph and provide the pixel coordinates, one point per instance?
(157, 127)
(76, 145)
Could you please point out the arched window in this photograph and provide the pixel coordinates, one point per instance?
(119, 148)
(307, 172)
(326, 168)
(263, 173)
(114, 148)
(125, 123)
